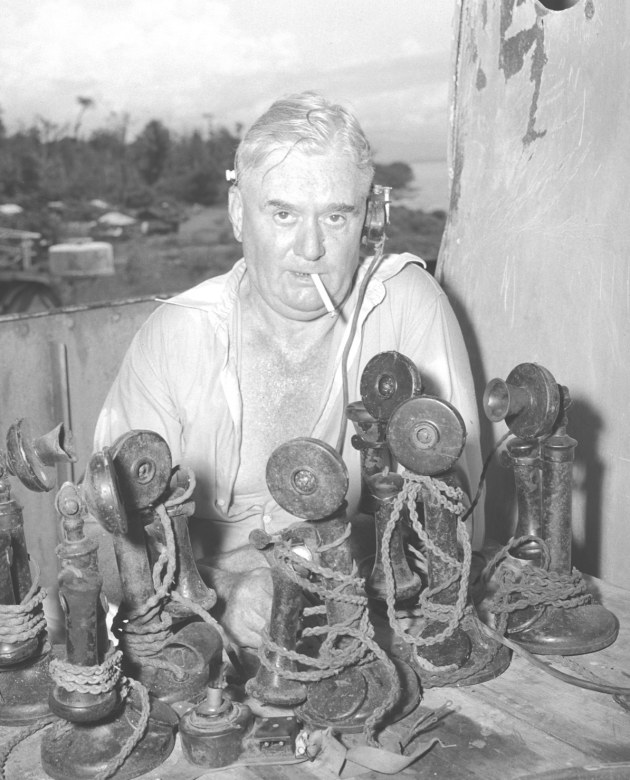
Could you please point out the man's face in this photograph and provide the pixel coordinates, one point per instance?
(296, 215)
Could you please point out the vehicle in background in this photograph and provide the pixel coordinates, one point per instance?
(32, 272)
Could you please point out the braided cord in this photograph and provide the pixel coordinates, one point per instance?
(20, 736)
(20, 622)
(332, 660)
(99, 678)
(62, 726)
(531, 585)
(134, 738)
(144, 632)
(449, 614)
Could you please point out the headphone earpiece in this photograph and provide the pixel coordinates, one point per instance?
(376, 215)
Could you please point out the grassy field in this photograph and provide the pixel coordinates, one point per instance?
(205, 246)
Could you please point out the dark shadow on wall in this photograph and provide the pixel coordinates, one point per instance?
(499, 500)
(585, 425)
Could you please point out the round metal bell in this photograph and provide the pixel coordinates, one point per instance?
(308, 478)
(388, 379)
(426, 435)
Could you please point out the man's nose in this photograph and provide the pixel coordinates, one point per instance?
(309, 242)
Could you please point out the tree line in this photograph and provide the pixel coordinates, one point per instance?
(48, 162)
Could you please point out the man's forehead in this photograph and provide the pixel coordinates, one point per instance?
(303, 170)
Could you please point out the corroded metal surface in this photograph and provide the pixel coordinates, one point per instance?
(528, 400)
(32, 460)
(388, 379)
(307, 478)
(143, 464)
(406, 583)
(272, 683)
(426, 435)
(522, 263)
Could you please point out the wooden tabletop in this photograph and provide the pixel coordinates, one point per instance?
(523, 724)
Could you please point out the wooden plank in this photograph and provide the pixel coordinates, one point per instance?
(522, 723)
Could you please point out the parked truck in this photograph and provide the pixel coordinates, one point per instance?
(34, 275)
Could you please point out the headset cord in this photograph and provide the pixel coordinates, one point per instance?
(374, 264)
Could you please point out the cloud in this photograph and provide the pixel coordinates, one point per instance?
(179, 61)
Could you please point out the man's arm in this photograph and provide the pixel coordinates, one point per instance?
(139, 397)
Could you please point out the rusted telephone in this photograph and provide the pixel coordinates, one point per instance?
(350, 682)
(111, 723)
(24, 647)
(425, 435)
(560, 617)
(387, 380)
(164, 643)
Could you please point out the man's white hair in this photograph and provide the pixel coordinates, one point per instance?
(307, 122)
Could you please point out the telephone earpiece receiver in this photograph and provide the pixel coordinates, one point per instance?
(377, 214)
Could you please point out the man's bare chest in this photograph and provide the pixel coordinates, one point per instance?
(286, 388)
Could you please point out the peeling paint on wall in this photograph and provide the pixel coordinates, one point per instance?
(482, 80)
(456, 185)
(512, 53)
(589, 9)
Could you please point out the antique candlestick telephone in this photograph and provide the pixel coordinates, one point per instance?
(112, 727)
(24, 647)
(308, 479)
(557, 616)
(427, 436)
(275, 682)
(388, 379)
(164, 645)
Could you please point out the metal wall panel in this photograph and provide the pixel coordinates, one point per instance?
(536, 252)
(54, 368)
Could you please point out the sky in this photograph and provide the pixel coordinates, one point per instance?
(193, 62)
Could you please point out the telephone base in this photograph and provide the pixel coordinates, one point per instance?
(346, 701)
(194, 651)
(574, 631)
(24, 690)
(80, 751)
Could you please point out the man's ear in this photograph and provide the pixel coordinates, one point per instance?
(235, 211)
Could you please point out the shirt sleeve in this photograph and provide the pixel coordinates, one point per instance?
(140, 397)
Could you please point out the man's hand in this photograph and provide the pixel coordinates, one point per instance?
(248, 607)
(243, 602)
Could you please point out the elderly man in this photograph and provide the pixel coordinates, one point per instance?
(243, 362)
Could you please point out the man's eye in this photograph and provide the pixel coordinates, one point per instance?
(284, 217)
(336, 219)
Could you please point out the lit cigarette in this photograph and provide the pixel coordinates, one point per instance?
(323, 294)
